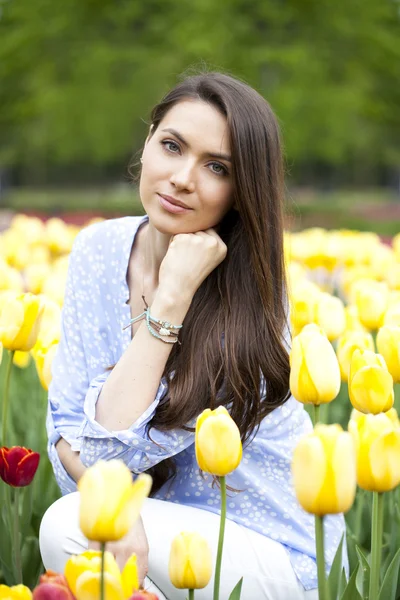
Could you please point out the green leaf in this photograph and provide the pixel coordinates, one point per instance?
(342, 584)
(389, 585)
(237, 590)
(351, 593)
(336, 571)
(363, 574)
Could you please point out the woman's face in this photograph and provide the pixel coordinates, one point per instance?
(187, 159)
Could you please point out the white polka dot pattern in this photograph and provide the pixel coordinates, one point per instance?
(93, 315)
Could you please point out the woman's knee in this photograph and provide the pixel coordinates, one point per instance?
(60, 535)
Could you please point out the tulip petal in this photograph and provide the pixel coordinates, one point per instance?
(88, 587)
(129, 576)
(323, 367)
(343, 466)
(371, 390)
(27, 335)
(309, 471)
(27, 468)
(385, 464)
(11, 321)
(131, 503)
(102, 487)
(301, 384)
(15, 592)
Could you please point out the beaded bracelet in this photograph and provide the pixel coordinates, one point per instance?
(161, 328)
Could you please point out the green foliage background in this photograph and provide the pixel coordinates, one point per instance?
(78, 78)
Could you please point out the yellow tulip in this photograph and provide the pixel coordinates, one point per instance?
(88, 587)
(392, 315)
(58, 236)
(314, 373)
(89, 561)
(377, 442)
(393, 276)
(35, 277)
(16, 592)
(303, 300)
(218, 445)
(388, 343)
(330, 315)
(43, 361)
(324, 470)
(110, 501)
(10, 278)
(352, 340)
(349, 276)
(190, 561)
(353, 318)
(391, 414)
(20, 322)
(371, 298)
(370, 383)
(119, 584)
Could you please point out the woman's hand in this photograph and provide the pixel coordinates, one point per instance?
(135, 541)
(190, 258)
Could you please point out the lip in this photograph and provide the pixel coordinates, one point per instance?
(172, 205)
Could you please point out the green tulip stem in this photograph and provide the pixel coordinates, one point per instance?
(191, 594)
(102, 586)
(323, 591)
(6, 397)
(359, 515)
(217, 578)
(16, 538)
(376, 544)
(316, 414)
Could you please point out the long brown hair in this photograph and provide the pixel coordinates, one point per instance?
(233, 331)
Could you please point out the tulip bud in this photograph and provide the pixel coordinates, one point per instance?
(324, 471)
(388, 343)
(190, 561)
(88, 587)
(20, 322)
(217, 442)
(377, 442)
(371, 298)
(370, 383)
(347, 343)
(18, 465)
(90, 560)
(352, 318)
(15, 592)
(303, 302)
(52, 586)
(110, 502)
(330, 315)
(43, 360)
(315, 373)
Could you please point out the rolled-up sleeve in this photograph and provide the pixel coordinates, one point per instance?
(136, 446)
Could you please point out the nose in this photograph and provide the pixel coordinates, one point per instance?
(183, 177)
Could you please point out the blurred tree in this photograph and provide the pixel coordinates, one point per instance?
(77, 80)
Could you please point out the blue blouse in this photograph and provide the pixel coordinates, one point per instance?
(95, 311)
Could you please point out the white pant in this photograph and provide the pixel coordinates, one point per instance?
(264, 563)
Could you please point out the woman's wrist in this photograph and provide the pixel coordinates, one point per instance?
(169, 305)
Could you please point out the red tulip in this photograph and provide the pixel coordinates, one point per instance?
(52, 586)
(18, 465)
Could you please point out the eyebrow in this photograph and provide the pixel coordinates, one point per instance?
(182, 139)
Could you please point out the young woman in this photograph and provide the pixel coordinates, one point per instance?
(207, 258)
